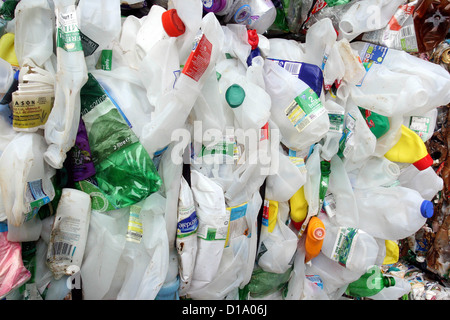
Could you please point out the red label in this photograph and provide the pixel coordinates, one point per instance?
(265, 132)
(198, 60)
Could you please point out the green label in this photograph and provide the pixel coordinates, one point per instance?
(99, 202)
(343, 247)
(336, 122)
(108, 131)
(68, 35)
(225, 147)
(105, 60)
(305, 108)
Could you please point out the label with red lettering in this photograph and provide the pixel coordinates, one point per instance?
(198, 60)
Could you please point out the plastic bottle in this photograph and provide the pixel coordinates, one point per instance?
(334, 276)
(427, 182)
(177, 103)
(370, 283)
(351, 247)
(378, 124)
(375, 172)
(392, 213)
(62, 124)
(315, 233)
(69, 233)
(186, 241)
(263, 15)
(428, 84)
(212, 229)
(120, 160)
(396, 291)
(242, 96)
(366, 15)
(339, 201)
(296, 108)
(159, 24)
(410, 149)
(286, 180)
(32, 187)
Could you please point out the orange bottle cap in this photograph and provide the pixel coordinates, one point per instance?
(319, 233)
(172, 23)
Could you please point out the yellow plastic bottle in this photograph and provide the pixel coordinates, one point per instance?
(299, 208)
(315, 233)
(410, 149)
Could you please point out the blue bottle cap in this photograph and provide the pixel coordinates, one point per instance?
(427, 209)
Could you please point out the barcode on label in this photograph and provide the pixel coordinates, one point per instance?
(293, 67)
(35, 190)
(62, 249)
(406, 31)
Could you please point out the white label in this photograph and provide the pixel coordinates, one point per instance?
(329, 204)
(135, 230)
(343, 247)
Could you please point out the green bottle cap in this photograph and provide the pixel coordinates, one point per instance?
(235, 95)
(388, 281)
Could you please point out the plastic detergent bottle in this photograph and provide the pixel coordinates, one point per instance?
(410, 149)
(315, 233)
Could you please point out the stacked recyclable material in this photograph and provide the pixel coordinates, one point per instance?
(224, 150)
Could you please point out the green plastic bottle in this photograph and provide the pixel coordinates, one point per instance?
(125, 173)
(369, 284)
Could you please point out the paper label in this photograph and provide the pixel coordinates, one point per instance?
(238, 222)
(299, 163)
(65, 238)
(371, 54)
(68, 35)
(343, 247)
(135, 230)
(225, 147)
(304, 109)
(329, 204)
(336, 122)
(345, 145)
(99, 202)
(420, 125)
(188, 225)
(198, 60)
(216, 231)
(36, 197)
(270, 214)
(105, 60)
(31, 111)
(316, 280)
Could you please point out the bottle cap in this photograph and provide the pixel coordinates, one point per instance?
(388, 281)
(214, 5)
(427, 209)
(424, 163)
(235, 95)
(297, 225)
(172, 23)
(253, 38)
(319, 233)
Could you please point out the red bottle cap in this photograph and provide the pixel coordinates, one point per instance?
(172, 23)
(423, 163)
(253, 38)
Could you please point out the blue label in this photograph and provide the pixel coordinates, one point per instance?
(189, 225)
(238, 212)
(372, 54)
